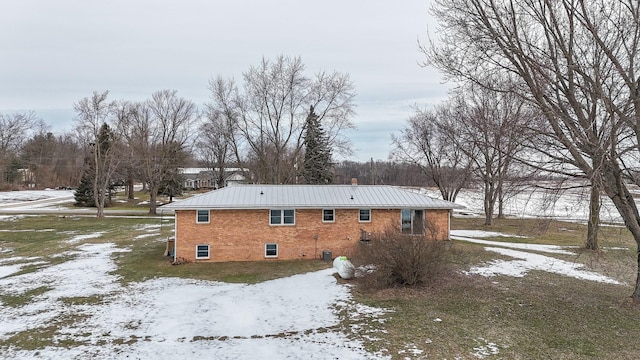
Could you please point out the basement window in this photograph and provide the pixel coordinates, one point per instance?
(202, 251)
(271, 250)
(202, 216)
(328, 215)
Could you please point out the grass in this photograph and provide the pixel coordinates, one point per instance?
(556, 318)
(44, 240)
(146, 261)
(33, 237)
(120, 201)
(24, 298)
(539, 316)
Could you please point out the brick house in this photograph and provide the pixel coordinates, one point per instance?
(260, 222)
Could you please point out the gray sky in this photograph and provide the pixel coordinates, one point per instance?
(56, 52)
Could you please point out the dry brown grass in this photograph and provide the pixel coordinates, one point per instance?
(539, 316)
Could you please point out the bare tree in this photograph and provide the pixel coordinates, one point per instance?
(94, 115)
(125, 113)
(160, 136)
(218, 139)
(492, 129)
(14, 132)
(575, 60)
(38, 155)
(270, 111)
(426, 142)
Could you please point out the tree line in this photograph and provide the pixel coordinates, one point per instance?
(279, 123)
(542, 88)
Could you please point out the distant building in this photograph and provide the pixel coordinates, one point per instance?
(26, 177)
(206, 178)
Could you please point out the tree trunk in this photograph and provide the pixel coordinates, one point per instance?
(130, 189)
(488, 203)
(153, 196)
(593, 224)
(615, 188)
(500, 201)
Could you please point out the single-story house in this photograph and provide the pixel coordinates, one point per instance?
(199, 178)
(259, 222)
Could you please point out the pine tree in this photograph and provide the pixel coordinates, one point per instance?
(317, 154)
(84, 193)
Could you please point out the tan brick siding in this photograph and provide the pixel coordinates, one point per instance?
(241, 235)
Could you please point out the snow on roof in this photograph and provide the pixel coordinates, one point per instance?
(311, 197)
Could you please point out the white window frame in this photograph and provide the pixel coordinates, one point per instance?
(333, 216)
(198, 216)
(265, 250)
(282, 223)
(208, 252)
(360, 216)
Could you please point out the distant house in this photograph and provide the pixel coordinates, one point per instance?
(26, 177)
(205, 178)
(261, 222)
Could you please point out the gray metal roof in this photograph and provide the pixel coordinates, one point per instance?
(311, 197)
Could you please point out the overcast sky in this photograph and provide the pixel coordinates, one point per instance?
(56, 52)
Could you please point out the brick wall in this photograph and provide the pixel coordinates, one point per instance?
(241, 235)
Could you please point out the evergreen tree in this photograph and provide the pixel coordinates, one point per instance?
(317, 154)
(172, 185)
(84, 193)
(12, 174)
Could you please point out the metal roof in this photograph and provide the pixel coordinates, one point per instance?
(311, 197)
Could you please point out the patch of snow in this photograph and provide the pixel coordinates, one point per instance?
(293, 317)
(34, 199)
(149, 226)
(553, 249)
(18, 259)
(79, 238)
(86, 275)
(527, 262)
(7, 270)
(411, 349)
(486, 348)
(147, 202)
(482, 234)
(142, 236)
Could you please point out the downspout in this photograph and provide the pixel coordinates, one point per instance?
(175, 235)
(449, 224)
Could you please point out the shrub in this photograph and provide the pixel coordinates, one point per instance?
(391, 258)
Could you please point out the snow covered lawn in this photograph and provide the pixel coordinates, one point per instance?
(294, 317)
(34, 199)
(524, 258)
(80, 309)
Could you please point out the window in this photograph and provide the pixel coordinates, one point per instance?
(270, 250)
(202, 251)
(412, 221)
(328, 215)
(202, 216)
(364, 215)
(282, 217)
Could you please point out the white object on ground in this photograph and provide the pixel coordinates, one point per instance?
(344, 267)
